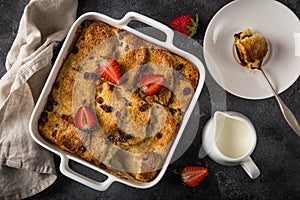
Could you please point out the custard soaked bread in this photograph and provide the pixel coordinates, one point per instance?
(118, 101)
(251, 48)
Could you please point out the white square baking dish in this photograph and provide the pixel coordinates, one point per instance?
(66, 48)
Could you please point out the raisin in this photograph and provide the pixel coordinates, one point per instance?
(128, 137)
(103, 166)
(68, 144)
(172, 110)
(122, 139)
(111, 87)
(44, 114)
(116, 54)
(121, 36)
(75, 50)
(120, 132)
(115, 142)
(56, 85)
(100, 100)
(106, 108)
(49, 107)
(127, 48)
(145, 158)
(143, 107)
(118, 114)
(186, 91)
(42, 121)
(54, 133)
(64, 117)
(86, 75)
(179, 67)
(159, 135)
(50, 98)
(50, 103)
(82, 148)
(76, 68)
(87, 23)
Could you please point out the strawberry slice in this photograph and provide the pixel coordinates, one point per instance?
(85, 119)
(109, 69)
(193, 175)
(152, 84)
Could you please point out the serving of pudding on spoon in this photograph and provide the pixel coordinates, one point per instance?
(251, 49)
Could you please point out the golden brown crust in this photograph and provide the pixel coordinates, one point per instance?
(129, 123)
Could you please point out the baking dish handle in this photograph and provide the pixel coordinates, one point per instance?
(67, 171)
(131, 16)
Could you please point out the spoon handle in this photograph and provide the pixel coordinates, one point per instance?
(287, 113)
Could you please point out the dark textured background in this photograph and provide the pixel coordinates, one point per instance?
(277, 153)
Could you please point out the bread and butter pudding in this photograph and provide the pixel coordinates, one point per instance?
(118, 101)
(251, 48)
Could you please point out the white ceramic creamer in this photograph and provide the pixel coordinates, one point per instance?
(229, 138)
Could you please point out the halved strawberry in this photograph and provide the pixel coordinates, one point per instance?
(193, 175)
(109, 69)
(152, 84)
(85, 119)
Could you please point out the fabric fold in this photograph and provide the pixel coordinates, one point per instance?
(25, 167)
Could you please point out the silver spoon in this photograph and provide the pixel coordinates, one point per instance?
(287, 113)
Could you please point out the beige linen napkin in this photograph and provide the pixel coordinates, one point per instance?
(25, 167)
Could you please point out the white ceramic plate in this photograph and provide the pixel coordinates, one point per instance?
(270, 18)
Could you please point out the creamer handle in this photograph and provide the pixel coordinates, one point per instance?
(67, 171)
(250, 168)
(132, 16)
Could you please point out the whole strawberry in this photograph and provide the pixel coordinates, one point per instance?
(186, 24)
